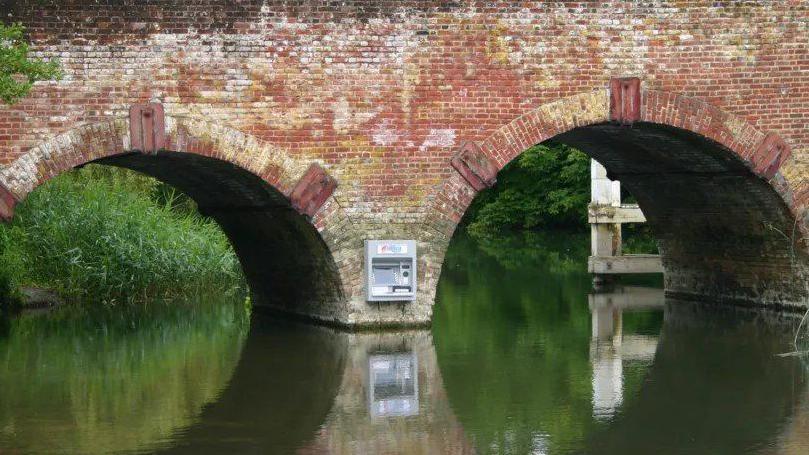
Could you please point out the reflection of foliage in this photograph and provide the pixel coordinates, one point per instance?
(552, 251)
(642, 322)
(110, 234)
(546, 186)
(521, 323)
(104, 380)
(18, 71)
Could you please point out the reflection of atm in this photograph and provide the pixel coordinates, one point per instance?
(391, 270)
(393, 387)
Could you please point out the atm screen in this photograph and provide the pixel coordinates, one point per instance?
(384, 275)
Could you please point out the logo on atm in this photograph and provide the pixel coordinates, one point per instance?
(391, 248)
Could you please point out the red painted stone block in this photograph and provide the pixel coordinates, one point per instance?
(474, 166)
(312, 190)
(147, 127)
(769, 155)
(7, 203)
(625, 100)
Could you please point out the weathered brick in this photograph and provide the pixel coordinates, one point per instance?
(381, 93)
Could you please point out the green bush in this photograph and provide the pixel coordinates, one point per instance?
(107, 234)
(638, 239)
(10, 296)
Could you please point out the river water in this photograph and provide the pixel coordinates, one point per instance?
(522, 358)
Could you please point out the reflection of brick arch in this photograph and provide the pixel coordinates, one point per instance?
(764, 154)
(88, 143)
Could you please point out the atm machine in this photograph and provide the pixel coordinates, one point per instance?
(390, 270)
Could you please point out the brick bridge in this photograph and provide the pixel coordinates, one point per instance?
(304, 127)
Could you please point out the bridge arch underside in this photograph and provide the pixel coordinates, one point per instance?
(724, 234)
(288, 266)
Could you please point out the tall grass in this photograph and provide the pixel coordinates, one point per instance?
(112, 235)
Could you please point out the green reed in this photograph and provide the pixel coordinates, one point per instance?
(112, 235)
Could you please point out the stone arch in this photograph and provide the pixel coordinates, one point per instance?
(663, 146)
(285, 241)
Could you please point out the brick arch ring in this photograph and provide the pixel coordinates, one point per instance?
(476, 164)
(269, 204)
(727, 202)
(308, 186)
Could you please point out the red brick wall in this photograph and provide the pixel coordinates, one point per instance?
(383, 92)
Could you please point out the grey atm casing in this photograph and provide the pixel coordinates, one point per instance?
(390, 270)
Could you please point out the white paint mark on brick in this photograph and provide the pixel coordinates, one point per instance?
(384, 135)
(443, 137)
(345, 118)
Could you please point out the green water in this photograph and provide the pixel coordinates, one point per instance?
(116, 379)
(516, 312)
(522, 358)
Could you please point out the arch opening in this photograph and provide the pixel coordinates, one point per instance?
(287, 265)
(726, 201)
(725, 234)
(723, 231)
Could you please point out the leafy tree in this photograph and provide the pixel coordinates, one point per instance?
(18, 71)
(548, 186)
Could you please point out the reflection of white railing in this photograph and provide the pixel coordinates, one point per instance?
(629, 298)
(606, 214)
(608, 379)
(609, 347)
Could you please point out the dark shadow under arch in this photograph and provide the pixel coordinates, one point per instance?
(723, 197)
(279, 396)
(286, 262)
(723, 231)
(717, 385)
